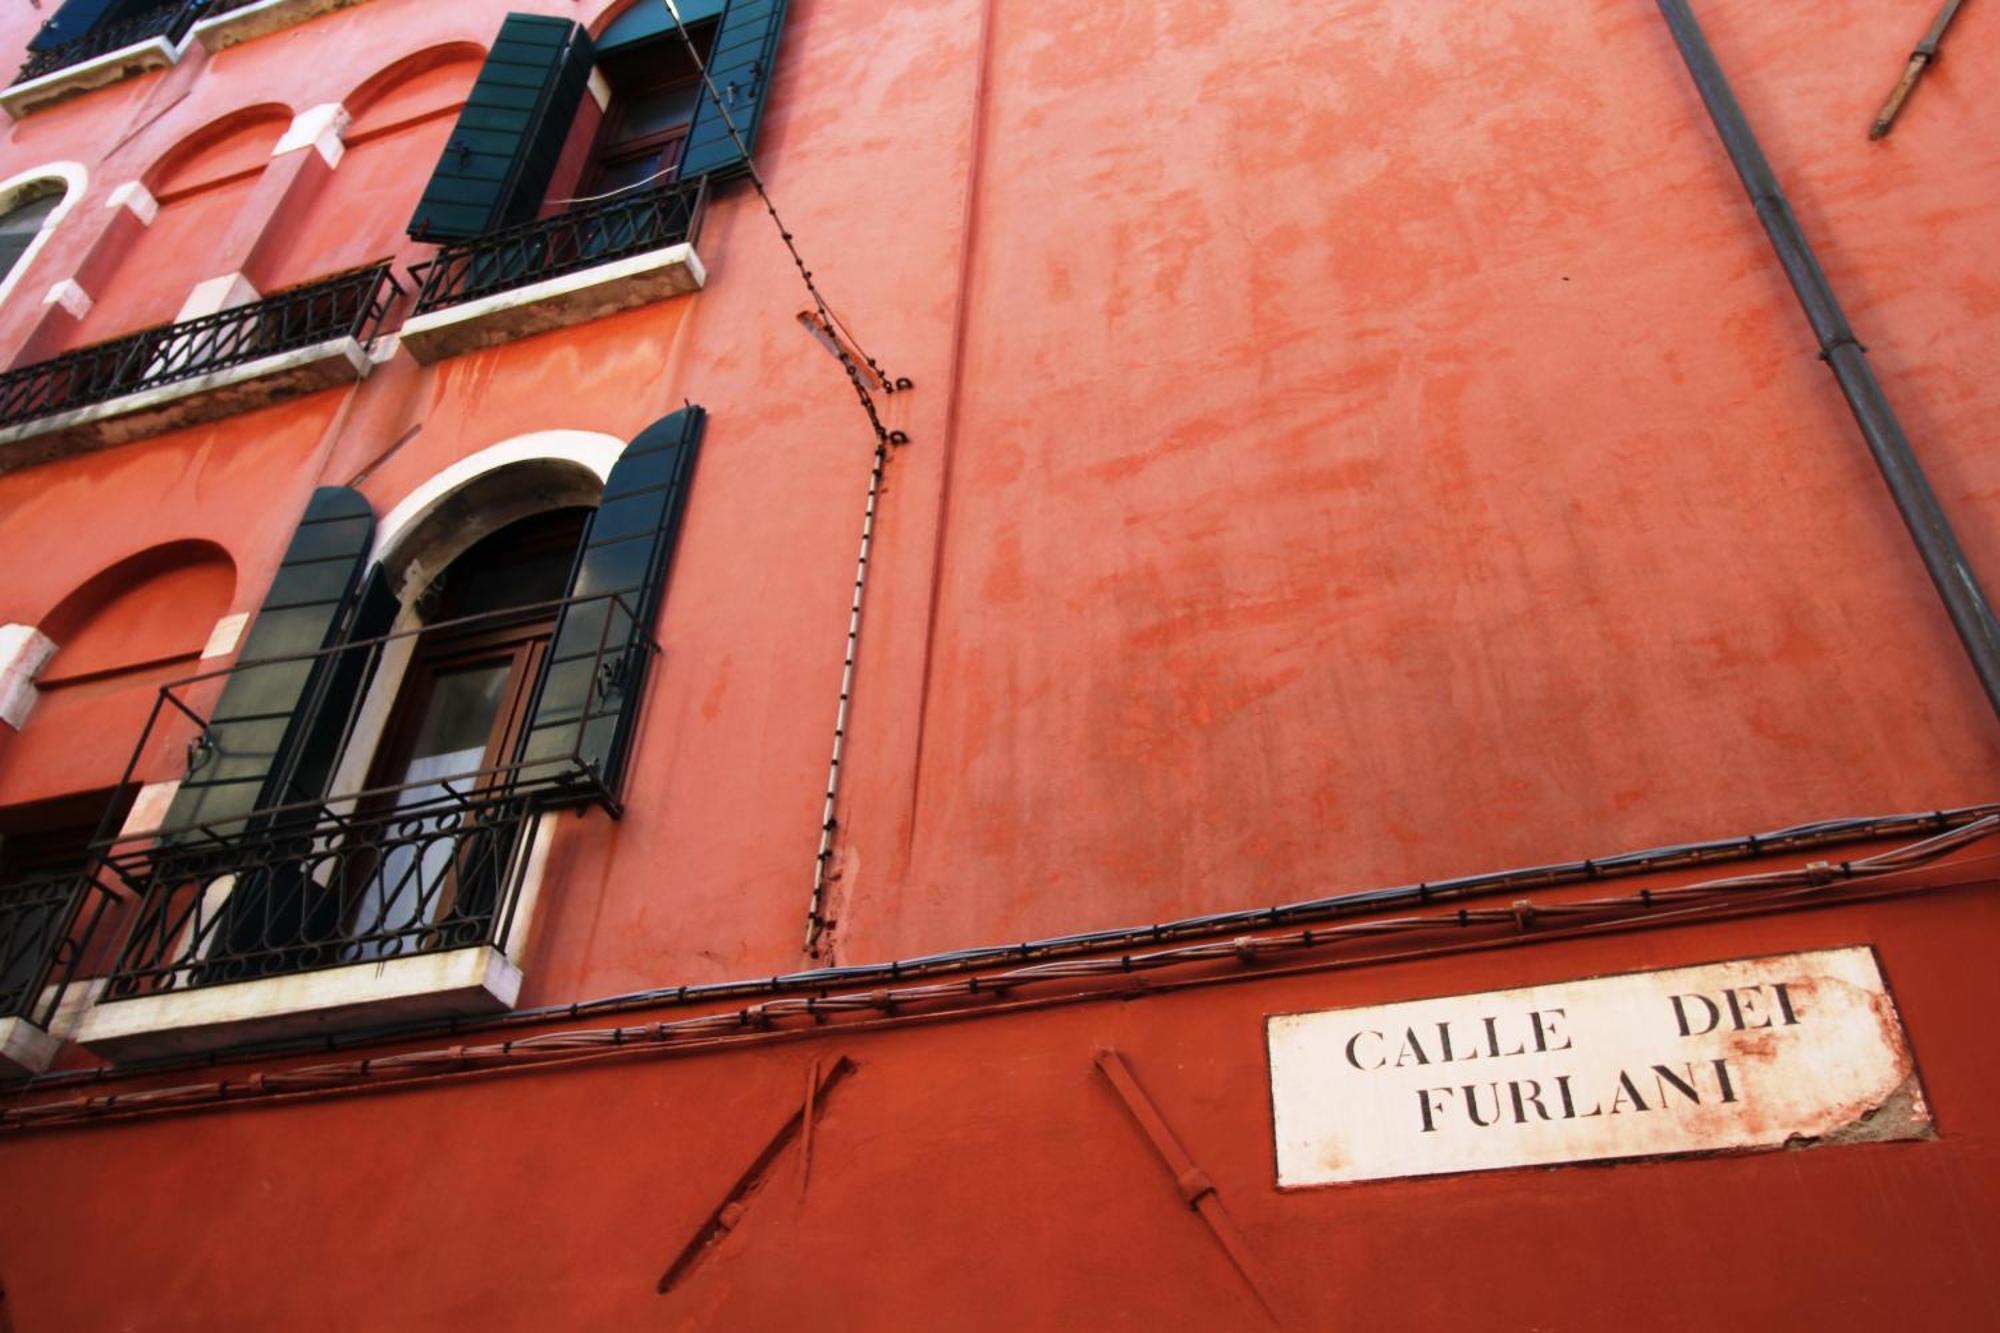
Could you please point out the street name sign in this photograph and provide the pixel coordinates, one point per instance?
(1758, 1053)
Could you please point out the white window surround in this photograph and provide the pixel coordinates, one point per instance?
(319, 128)
(74, 178)
(24, 99)
(555, 303)
(589, 449)
(24, 651)
(267, 16)
(466, 981)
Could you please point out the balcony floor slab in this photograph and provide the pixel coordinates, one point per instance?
(60, 85)
(572, 298)
(188, 402)
(477, 980)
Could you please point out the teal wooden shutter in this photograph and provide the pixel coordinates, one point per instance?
(739, 66)
(72, 21)
(587, 701)
(257, 748)
(496, 166)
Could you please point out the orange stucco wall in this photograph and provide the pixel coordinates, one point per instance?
(1352, 443)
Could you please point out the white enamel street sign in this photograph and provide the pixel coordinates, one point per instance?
(1749, 1054)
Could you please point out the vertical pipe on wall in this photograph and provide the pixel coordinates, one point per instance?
(1966, 602)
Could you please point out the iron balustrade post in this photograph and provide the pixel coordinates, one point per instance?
(1950, 570)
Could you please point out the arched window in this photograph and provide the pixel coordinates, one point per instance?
(200, 186)
(31, 205)
(458, 718)
(24, 220)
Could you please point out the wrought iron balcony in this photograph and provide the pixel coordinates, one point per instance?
(80, 390)
(368, 876)
(625, 251)
(632, 223)
(169, 20)
(307, 893)
(47, 927)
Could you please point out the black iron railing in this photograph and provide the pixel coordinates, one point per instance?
(309, 893)
(47, 926)
(631, 223)
(367, 875)
(351, 305)
(170, 20)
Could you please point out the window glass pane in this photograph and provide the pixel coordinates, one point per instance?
(649, 111)
(629, 173)
(458, 716)
(28, 218)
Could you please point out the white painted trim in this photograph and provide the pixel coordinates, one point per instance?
(25, 1048)
(476, 980)
(319, 128)
(24, 651)
(213, 294)
(138, 199)
(228, 632)
(600, 88)
(149, 809)
(70, 297)
(529, 895)
(589, 449)
(75, 179)
(20, 99)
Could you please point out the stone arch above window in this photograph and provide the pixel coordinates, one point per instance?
(201, 186)
(157, 607)
(227, 149)
(396, 125)
(31, 204)
(427, 83)
(485, 491)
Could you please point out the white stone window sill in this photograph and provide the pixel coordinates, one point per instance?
(464, 982)
(60, 85)
(268, 16)
(220, 393)
(573, 298)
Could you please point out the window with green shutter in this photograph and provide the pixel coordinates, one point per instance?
(662, 123)
(495, 168)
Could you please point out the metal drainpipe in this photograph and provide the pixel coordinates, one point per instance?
(1971, 612)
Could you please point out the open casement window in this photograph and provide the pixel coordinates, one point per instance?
(517, 692)
(659, 126)
(655, 92)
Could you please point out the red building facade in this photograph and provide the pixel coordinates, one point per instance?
(1349, 515)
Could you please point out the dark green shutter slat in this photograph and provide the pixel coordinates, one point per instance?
(261, 729)
(497, 163)
(72, 21)
(587, 700)
(740, 65)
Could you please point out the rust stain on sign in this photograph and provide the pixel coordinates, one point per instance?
(1798, 1050)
